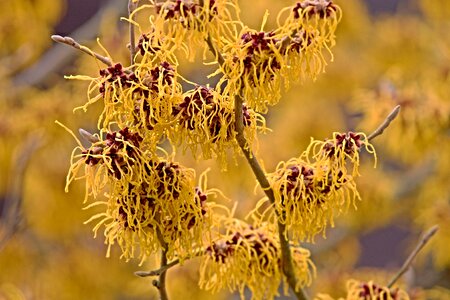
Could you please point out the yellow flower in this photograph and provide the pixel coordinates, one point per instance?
(357, 290)
(251, 257)
(206, 120)
(312, 189)
(340, 152)
(150, 202)
(188, 23)
(257, 62)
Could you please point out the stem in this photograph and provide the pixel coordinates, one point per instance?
(214, 51)
(173, 263)
(131, 8)
(71, 42)
(286, 258)
(385, 124)
(407, 264)
(157, 272)
(162, 277)
(160, 284)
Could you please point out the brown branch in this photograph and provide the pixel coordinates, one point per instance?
(385, 124)
(11, 211)
(214, 51)
(407, 264)
(286, 258)
(71, 42)
(160, 283)
(159, 271)
(132, 5)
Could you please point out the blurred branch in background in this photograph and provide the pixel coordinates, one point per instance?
(11, 211)
(407, 264)
(57, 56)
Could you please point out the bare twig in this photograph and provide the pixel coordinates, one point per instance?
(407, 264)
(161, 283)
(215, 51)
(71, 42)
(385, 124)
(132, 5)
(173, 263)
(159, 271)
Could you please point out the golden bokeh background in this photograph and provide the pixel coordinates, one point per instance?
(383, 57)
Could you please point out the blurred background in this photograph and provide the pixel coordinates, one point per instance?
(387, 53)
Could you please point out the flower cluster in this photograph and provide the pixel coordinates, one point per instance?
(150, 101)
(193, 21)
(139, 98)
(320, 8)
(251, 257)
(358, 290)
(370, 291)
(151, 202)
(311, 189)
(258, 61)
(206, 120)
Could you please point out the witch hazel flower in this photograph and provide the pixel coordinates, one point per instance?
(311, 190)
(206, 123)
(260, 62)
(188, 23)
(150, 202)
(250, 257)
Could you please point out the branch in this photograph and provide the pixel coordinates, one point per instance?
(160, 283)
(166, 267)
(407, 264)
(11, 211)
(214, 51)
(71, 42)
(159, 271)
(131, 8)
(385, 124)
(286, 258)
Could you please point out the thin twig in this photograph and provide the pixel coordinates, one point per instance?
(11, 211)
(132, 5)
(71, 42)
(385, 124)
(173, 263)
(407, 264)
(215, 51)
(157, 272)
